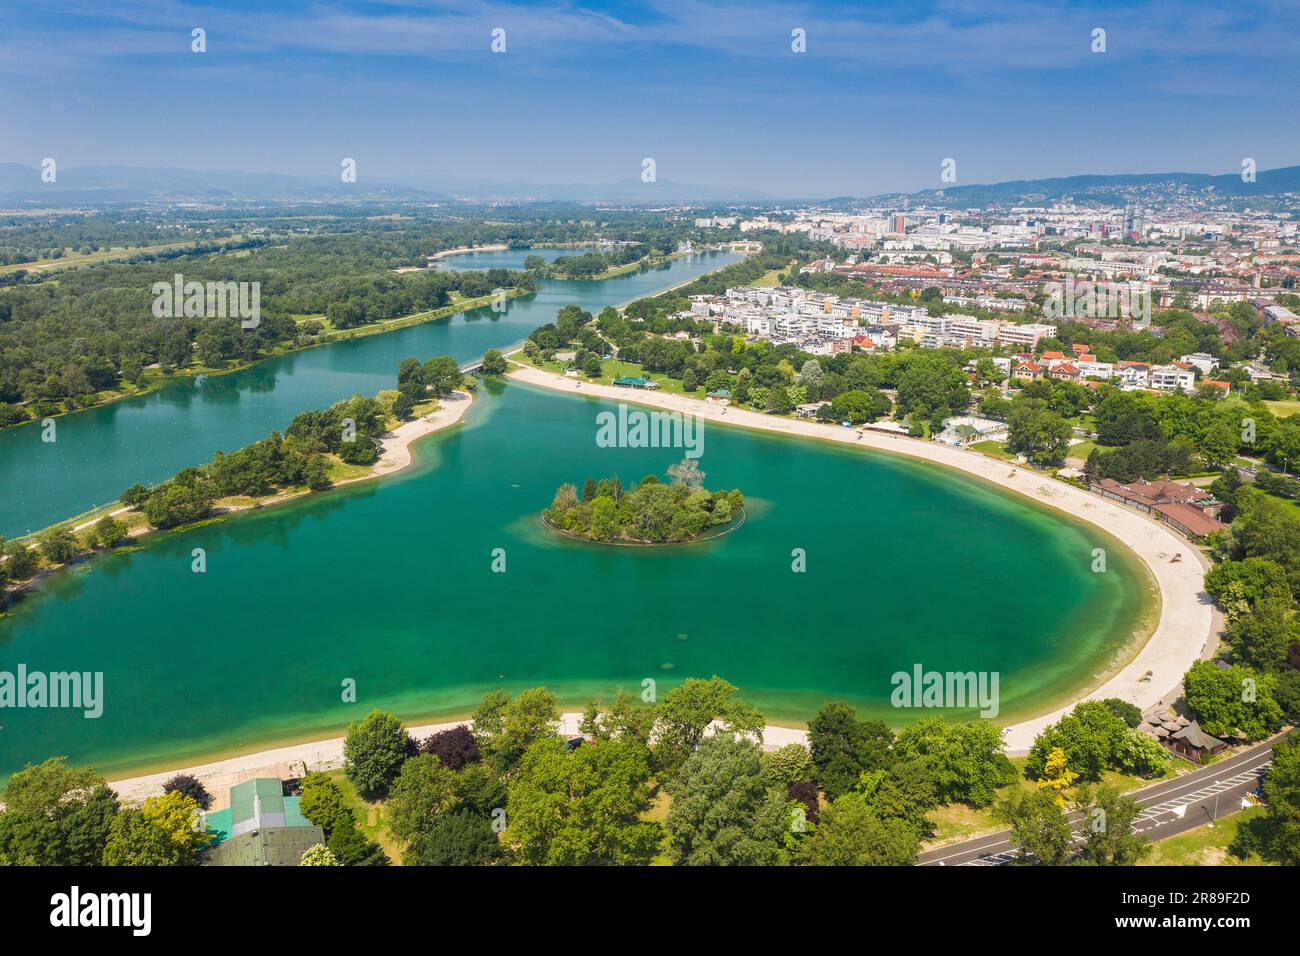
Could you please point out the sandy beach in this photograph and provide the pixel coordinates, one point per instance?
(495, 247)
(296, 760)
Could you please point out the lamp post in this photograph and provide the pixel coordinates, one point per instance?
(1215, 815)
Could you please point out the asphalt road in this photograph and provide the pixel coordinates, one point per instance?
(1168, 808)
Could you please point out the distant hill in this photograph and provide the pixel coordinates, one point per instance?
(138, 184)
(1114, 188)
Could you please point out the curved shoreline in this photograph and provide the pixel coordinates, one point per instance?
(1183, 608)
(1185, 623)
(394, 455)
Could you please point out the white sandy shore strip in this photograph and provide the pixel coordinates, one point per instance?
(495, 247)
(1186, 620)
(295, 760)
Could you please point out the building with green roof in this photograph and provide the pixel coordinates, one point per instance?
(261, 827)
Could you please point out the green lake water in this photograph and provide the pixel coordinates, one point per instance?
(100, 451)
(391, 584)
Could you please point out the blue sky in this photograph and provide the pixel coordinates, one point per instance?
(711, 91)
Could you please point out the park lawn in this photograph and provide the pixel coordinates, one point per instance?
(1205, 846)
(370, 816)
(340, 470)
(770, 279)
(1283, 409)
(102, 255)
(993, 449)
(1081, 451)
(611, 369)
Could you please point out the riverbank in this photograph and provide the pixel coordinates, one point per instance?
(155, 379)
(394, 455)
(1185, 623)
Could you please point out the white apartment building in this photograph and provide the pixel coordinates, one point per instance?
(1172, 378)
(1206, 363)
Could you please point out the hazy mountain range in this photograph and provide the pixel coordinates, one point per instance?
(128, 184)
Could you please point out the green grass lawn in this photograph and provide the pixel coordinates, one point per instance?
(102, 255)
(1283, 409)
(770, 279)
(370, 816)
(1205, 846)
(994, 449)
(1082, 450)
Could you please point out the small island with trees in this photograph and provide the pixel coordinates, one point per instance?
(650, 513)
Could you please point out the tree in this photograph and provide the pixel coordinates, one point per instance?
(687, 711)
(1110, 839)
(1233, 702)
(135, 496)
(842, 747)
(57, 545)
(20, 561)
(1088, 737)
(134, 840)
(494, 363)
(403, 406)
(532, 716)
(373, 752)
(966, 761)
(1040, 435)
(1276, 836)
(460, 838)
(454, 747)
(424, 790)
(1039, 827)
(176, 815)
(189, 786)
(108, 532)
(789, 764)
(857, 406)
(323, 803)
(581, 807)
(723, 813)
(319, 855)
(175, 504)
(1260, 638)
(931, 382)
(1129, 713)
(1057, 777)
(442, 375)
(56, 815)
(850, 833)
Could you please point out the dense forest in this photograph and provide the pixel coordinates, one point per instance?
(67, 335)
